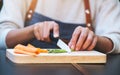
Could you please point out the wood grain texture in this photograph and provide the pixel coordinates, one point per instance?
(73, 57)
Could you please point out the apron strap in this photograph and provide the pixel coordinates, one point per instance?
(87, 12)
(31, 10)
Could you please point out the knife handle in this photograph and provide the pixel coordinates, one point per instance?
(53, 39)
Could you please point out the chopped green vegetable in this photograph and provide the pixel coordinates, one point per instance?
(57, 51)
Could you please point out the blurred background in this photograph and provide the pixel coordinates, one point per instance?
(1, 1)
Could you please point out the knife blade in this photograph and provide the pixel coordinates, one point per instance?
(60, 43)
(63, 45)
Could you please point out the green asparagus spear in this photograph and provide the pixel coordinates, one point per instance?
(57, 51)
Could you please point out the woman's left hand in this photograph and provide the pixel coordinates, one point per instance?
(83, 39)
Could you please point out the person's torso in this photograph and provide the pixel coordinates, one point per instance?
(68, 14)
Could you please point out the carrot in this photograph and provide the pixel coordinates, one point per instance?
(29, 45)
(24, 52)
(42, 50)
(25, 48)
(39, 49)
(29, 49)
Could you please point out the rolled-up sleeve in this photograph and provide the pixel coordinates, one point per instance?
(3, 38)
(12, 16)
(107, 22)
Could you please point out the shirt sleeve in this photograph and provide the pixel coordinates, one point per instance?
(12, 16)
(2, 38)
(107, 22)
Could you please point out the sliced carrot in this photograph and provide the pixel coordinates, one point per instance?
(29, 45)
(29, 49)
(24, 52)
(39, 49)
(25, 48)
(42, 50)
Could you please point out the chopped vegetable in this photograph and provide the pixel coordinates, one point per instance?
(29, 45)
(43, 50)
(57, 51)
(39, 49)
(29, 50)
(24, 52)
(32, 50)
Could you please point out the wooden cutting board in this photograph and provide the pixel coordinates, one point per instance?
(73, 57)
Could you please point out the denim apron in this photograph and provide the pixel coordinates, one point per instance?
(65, 29)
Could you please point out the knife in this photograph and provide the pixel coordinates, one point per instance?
(60, 43)
(63, 45)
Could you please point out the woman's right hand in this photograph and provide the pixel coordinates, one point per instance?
(42, 30)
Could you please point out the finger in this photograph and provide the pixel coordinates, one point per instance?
(88, 40)
(46, 31)
(36, 32)
(82, 38)
(74, 38)
(40, 28)
(92, 44)
(55, 29)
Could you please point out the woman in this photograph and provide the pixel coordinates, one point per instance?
(66, 19)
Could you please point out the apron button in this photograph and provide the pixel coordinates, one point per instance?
(87, 11)
(31, 11)
(29, 16)
(89, 25)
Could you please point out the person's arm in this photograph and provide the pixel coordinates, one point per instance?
(40, 31)
(12, 17)
(12, 25)
(106, 37)
(19, 36)
(107, 26)
(104, 44)
(85, 39)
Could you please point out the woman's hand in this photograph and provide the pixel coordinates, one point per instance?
(83, 39)
(42, 30)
